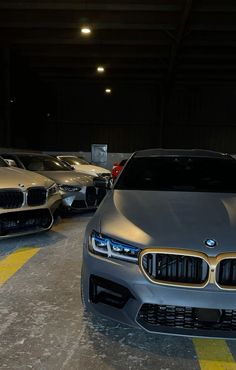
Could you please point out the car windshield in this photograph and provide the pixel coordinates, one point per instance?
(177, 173)
(43, 163)
(123, 162)
(3, 163)
(74, 160)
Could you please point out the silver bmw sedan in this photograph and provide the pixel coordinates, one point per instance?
(160, 252)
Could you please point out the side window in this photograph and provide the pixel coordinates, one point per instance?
(11, 160)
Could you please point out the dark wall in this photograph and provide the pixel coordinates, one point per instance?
(202, 117)
(33, 101)
(125, 120)
(4, 96)
(71, 116)
(24, 104)
(197, 117)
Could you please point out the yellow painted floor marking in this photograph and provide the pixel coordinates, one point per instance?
(12, 263)
(214, 354)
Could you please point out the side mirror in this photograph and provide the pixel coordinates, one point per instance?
(102, 183)
(11, 162)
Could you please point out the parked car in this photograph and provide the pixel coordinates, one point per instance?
(28, 201)
(160, 251)
(81, 165)
(77, 189)
(117, 167)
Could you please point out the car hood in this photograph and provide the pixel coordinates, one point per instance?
(170, 219)
(91, 169)
(12, 177)
(69, 177)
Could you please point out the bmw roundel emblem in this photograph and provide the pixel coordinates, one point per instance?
(210, 243)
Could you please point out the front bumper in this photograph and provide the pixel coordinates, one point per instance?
(54, 202)
(129, 283)
(25, 222)
(87, 198)
(28, 219)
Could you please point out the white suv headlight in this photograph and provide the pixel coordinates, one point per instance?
(107, 247)
(69, 188)
(53, 190)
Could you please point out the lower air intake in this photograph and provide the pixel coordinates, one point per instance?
(107, 292)
(154, 317)
(25, 222)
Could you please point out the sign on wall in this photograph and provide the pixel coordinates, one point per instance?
(99, 153)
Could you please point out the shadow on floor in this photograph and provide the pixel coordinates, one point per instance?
(107, 336)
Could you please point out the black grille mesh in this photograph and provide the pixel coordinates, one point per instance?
(11, 199)
(184, 318)
(227, 272)
(36, 196)
(91, 196)
(175, 268)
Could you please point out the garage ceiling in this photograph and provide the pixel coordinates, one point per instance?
(159, 41)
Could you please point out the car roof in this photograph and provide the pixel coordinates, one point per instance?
(180, 152)
(25, 153)
(70, 156)
(67, 155)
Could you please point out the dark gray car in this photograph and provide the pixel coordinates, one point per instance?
(77, 189)
(160, 252)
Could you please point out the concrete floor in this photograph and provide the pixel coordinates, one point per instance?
(43, 326)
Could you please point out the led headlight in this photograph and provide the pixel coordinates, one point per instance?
(69, 188)
(53, 189)
(103, 245)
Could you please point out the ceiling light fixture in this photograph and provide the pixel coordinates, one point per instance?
(108, 91)
(86, 30)
(100, 69)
